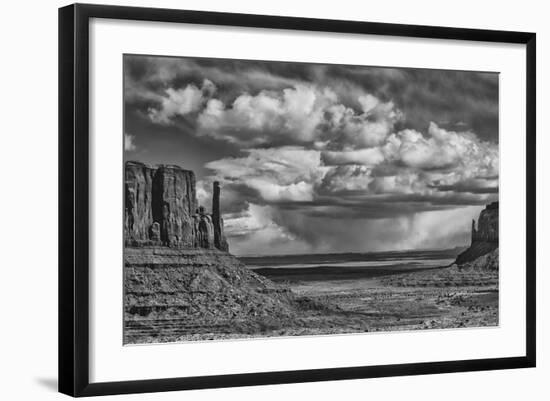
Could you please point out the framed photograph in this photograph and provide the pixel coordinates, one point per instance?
(250, 199)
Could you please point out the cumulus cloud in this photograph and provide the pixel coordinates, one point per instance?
(439, 167)
(292, 113)
(444, 149)
(417, 162)
(315, 157)
(359, 198)
(129, 142)
(366, 157)
(180, 102)
(303, 113)
(469, 98)
(275, 174)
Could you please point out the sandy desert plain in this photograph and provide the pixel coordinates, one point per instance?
(397, 291)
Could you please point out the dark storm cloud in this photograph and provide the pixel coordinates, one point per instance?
(306, 150)
(453, 99)
(467, 187)
(296, 231)
(356, 205)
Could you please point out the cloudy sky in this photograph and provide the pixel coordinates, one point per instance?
(321, 158)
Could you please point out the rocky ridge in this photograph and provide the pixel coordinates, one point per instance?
(174, 293)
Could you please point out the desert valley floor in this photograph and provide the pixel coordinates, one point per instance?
(205, 302)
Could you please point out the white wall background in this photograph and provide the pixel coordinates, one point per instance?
(28, 200)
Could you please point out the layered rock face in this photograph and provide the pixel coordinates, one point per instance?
(174, 204)
(161, 209)
(487, 226)
(484, 238)
(176, 294)
(138, 191)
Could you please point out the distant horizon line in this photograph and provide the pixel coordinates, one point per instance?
(352, 252)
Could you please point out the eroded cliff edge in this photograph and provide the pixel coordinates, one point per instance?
(484, 237)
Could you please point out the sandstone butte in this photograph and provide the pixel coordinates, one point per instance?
(181, 282)
(484, 240)
(179, 277)
(161, 209)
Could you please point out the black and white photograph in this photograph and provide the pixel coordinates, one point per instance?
(267, 198)
(275, 201)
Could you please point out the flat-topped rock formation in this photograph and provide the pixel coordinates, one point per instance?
(161, 208)
(484, 237)
(180, 281)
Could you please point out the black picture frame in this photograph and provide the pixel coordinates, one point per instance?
(74, 201)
